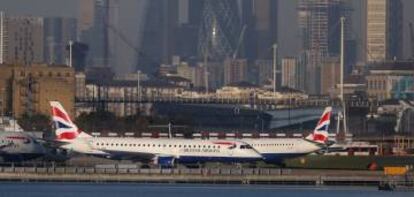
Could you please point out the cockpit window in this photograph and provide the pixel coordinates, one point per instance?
(246, 147)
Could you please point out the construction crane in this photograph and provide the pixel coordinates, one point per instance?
(126, 40)
(412, 39)
(239, 42)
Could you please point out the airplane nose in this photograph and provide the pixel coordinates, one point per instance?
(256, 153)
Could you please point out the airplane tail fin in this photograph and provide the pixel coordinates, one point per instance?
(65, 129)
(320, 133)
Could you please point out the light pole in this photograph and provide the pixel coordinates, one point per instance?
(1, 36)
(70, 53)
(138, 90)
(274, 67)
(138, 85)
(342, 62)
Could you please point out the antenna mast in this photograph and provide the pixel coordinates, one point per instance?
(342, 76)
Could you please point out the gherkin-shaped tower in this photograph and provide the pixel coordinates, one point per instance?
(219, 30)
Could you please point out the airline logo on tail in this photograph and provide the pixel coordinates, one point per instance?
(320, 134)
(65, 128)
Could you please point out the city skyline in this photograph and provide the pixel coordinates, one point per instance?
(287, 34)
(264, 68)
(224, 42)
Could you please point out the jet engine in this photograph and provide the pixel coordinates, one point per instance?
(164, 161)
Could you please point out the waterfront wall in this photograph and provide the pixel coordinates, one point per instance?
(203, 175)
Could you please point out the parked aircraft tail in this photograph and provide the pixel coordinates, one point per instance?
(320, 133)
(65, 129)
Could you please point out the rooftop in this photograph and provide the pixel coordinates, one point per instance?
(242, 84)
(354, 79)
(126, 83)
(288, 90)
(392, 65)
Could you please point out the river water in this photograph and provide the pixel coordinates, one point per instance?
(182, 190)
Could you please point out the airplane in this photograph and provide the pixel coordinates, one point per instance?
(164, 152)
(19, 146)
(276, 150)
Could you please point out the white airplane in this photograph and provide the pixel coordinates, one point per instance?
(164, 152)
(277, 149)
(19, 146)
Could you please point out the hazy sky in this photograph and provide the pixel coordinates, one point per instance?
(66, 8)
(130, 14)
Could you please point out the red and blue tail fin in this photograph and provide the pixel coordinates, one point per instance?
(320, 134)
(66, 130)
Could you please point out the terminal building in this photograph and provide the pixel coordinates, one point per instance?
(391, 80)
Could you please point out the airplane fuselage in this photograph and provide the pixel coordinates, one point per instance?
(19, 146)
(277, 149)
(182, 150)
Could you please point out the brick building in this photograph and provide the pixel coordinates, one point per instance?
(28, 89)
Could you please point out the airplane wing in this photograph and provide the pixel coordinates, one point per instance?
(126, 155)
(50, 142)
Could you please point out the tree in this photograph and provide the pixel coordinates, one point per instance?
(97, 121)
(35, 122)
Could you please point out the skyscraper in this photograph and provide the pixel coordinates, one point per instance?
(319, 22)
(235, 71)
(23, 40)
(86, 15)
(189, 23)
(260, 18)
(159, 34)
(219, 30)
(57, 34)
(331, 74)
(384, 30)
(94, 30)
(290, 72)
